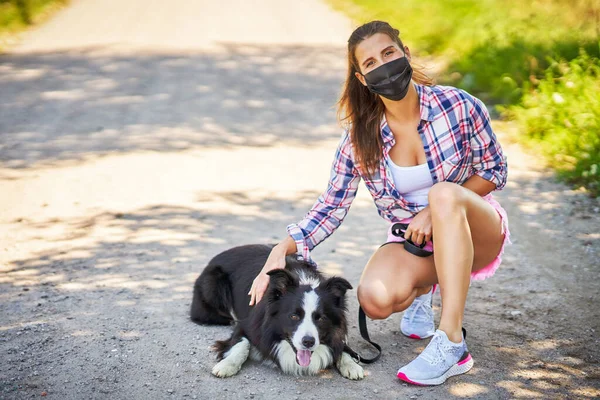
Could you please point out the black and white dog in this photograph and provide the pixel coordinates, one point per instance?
(300, 323)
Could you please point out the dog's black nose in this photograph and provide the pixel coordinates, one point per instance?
(308, 341)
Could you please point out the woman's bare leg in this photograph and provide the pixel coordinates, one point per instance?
(467, 237)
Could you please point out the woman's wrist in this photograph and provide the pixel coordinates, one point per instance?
(286, 247)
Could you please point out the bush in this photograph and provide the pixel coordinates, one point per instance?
(561, 119)
(502, 72)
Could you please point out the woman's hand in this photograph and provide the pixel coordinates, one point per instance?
(276, 260)
(420, 230)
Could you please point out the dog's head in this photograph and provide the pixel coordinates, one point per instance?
(308, 310)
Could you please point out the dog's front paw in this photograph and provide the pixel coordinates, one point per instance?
(225, 369)
(350, 368)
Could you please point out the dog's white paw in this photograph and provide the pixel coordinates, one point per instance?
(225, 368)
(350, 368)
(233, 361)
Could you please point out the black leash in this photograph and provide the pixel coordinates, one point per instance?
(398, 230)
(362, 325)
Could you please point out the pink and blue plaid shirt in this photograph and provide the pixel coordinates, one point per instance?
(458, 140)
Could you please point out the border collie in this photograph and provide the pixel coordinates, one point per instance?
(299, 324)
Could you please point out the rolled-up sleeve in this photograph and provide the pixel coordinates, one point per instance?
(329, 211)
(489, 162)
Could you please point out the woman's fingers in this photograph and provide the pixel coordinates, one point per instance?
(260, 292)
(255, 292)
(259, 286)
(407, 233)
(261, 282)
(419, 238)
(252, 293)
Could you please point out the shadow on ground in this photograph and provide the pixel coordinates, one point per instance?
(66, 106)
(112, 297)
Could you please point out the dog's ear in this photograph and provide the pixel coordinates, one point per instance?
(281, 280)
(337, 286)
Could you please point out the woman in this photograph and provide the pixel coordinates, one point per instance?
(429, 158)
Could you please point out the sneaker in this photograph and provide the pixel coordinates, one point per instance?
(440, 360)
(417, 321)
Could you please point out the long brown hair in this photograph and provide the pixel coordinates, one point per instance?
(361, 110)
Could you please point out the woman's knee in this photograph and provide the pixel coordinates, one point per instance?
(375, 303)
(446, 197)
(375, 300)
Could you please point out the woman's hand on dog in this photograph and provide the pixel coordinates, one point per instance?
(276, 260)
(259, 285)
(420, 229)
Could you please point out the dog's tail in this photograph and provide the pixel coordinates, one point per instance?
(213, 299)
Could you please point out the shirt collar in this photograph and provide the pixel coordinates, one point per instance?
(424, 93)
(425, 102)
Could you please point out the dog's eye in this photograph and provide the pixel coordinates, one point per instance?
(319, 318)
(295, 317)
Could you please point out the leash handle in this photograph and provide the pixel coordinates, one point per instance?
(418, 250)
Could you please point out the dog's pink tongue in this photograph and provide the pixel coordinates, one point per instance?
(303, 357)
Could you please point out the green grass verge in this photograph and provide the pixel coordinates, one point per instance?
(561, 120)
(18, 15)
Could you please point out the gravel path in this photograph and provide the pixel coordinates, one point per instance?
(140, 138)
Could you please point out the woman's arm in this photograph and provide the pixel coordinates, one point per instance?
(489, 161)
(320, 222)
(479, 185)
(331, 208)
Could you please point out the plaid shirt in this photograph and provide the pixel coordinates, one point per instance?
(459, 143)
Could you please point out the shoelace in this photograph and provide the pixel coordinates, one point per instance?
(418, 304)
(435, 352)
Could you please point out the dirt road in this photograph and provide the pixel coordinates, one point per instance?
(140, 138)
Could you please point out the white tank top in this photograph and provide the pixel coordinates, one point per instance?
(413, 183)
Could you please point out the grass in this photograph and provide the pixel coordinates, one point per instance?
(18, 15)
(561, 120)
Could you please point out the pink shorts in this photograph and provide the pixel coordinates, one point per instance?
(489, 269)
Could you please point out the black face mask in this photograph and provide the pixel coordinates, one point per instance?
(390, 80)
